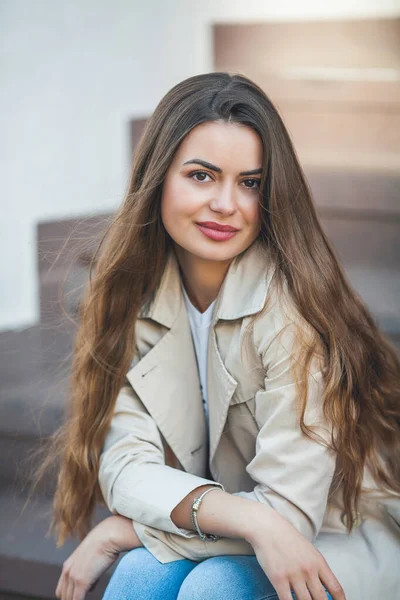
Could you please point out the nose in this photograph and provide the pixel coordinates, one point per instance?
(224, 200)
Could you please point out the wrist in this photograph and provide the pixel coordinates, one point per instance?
(121, 535)
(258, 524)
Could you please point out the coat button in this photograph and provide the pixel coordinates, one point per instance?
(358, 520)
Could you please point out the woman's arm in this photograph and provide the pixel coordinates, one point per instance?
(94, 555)
(133, 477)
(293, 471)
(289, 560)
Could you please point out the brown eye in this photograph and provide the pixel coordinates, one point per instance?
(202, 174)
(251, 186)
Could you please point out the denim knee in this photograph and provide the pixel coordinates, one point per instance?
(140, 576)
(233, 577)
(139, 558)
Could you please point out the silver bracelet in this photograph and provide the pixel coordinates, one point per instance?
(209, 537)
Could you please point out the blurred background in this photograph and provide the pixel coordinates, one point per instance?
(78, 82)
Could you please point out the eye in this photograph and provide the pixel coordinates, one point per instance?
(252, 181)
(202, 174)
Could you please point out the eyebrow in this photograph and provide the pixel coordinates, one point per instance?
(208, 165)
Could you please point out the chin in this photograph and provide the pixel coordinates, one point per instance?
(217, 251)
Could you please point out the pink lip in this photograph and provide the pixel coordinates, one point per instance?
(216, 234)
(217, 226)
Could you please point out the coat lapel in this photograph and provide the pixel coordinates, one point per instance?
(221, 387)
(166, 378)
(242, 294)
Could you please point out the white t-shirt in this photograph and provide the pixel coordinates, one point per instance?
(200, 326)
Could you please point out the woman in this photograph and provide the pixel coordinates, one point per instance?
(222, 349)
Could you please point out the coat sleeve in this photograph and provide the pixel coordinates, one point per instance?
(293, 472)
(133, 477)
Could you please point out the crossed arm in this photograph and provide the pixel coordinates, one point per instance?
(277, 521)
(289, 560)
(277, 530)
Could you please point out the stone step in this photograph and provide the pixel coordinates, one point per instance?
(18, 597)
(30, 562)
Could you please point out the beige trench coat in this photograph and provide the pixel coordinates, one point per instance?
(155, 452)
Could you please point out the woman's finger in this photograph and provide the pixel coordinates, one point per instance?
(316, 589)
(331, 583)
(69, 591)
(282, 588)
(80, 588)
(79, 592)
(301, 591)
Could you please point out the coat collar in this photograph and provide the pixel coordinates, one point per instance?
(243, 291)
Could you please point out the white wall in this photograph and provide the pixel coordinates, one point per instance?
(72, 75)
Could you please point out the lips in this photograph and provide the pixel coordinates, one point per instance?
(217, 232)
(217, 226)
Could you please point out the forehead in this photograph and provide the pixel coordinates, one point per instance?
(223, 144)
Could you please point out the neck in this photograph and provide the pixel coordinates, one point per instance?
(202, 278)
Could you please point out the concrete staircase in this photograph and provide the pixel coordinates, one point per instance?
(31, 404)
(34, 365)
(30, 562)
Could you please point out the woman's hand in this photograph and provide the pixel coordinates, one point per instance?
(292, 563)
(94, 555)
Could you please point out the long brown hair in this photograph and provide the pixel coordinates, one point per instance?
(362, 373)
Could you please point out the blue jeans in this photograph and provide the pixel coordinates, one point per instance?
(139, 576)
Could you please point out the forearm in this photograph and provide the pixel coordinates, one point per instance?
(223, 514)
(120, 534)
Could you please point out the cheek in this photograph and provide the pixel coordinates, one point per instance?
(174, 206)
(251, 213)
(178, 201)
(169, 202)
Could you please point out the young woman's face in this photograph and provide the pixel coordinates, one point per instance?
(210, 197)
